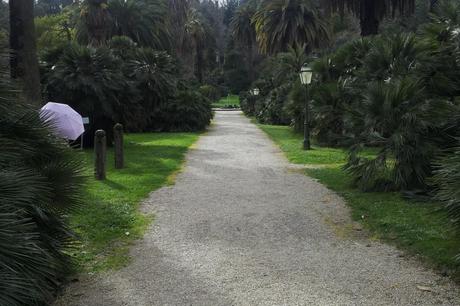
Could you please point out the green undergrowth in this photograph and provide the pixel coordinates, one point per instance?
(229, 101)
(110, 220)
(419, 228)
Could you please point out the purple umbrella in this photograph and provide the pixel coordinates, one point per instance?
(66, 122)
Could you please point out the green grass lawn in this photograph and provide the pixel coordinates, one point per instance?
(110, 220)
(225, 101)
(420, 228)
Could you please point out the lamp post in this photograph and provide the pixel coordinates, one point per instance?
(252, 105)
(306, 74)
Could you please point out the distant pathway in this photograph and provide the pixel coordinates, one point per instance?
(241, 227)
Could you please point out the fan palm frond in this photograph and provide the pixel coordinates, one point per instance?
(283, 23)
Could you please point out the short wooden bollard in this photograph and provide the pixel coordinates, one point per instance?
(100, 150)
(118, 146)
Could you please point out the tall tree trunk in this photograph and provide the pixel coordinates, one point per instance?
(97, 19)
(24, 62)
(369, 19)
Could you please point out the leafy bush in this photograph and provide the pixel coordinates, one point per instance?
(272, 109)
(153, 75)
(145, 22)
(40, 182)
(187, 111)
(91, 81)
(210, 92)
(247, 103)
(123, 47)
(53, 31)
(447, 178)
(400, 120)
(125, 84)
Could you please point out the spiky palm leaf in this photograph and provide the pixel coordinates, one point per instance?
(145, 22)
(40, 183)
(441, 68)
(392, 56)
(447, 178)
(243, 29)
(401, 120)
(283, 23)
(153, 73)
(89, 79)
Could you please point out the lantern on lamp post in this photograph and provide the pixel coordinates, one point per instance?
(255, 91)
(306, 74)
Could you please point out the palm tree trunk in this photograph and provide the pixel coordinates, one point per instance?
(24, 62)
(368, 18)
(97, 22)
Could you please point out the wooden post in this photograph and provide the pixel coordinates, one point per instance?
(100, 150)
(118, 146)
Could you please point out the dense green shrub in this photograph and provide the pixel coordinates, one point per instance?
(272, 109)
(247, 103)
(123, 47)
(40, 183)
(210, 92)
(399, 119)
(153, 75)
(124, 83)
(53, 31)
(447, 178)
(91, 81)
(187, 111)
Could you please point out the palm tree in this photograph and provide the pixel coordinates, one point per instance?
(286, 23)
(23, 61)
(244, 32)
(96, 22)
(394, 118)
(40, 180)
(177, 18)
(91, 81)
(371, 12)
(197, 34)
(142, 21)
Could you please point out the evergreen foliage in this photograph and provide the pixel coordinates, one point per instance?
(40, 183)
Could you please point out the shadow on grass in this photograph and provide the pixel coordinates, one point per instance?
(113, 185)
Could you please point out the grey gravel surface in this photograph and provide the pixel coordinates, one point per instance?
(241, 226)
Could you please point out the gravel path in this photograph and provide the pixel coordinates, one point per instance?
(243, 227)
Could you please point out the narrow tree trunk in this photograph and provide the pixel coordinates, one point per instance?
(368, 18)
(24, 62)
(100, 153)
